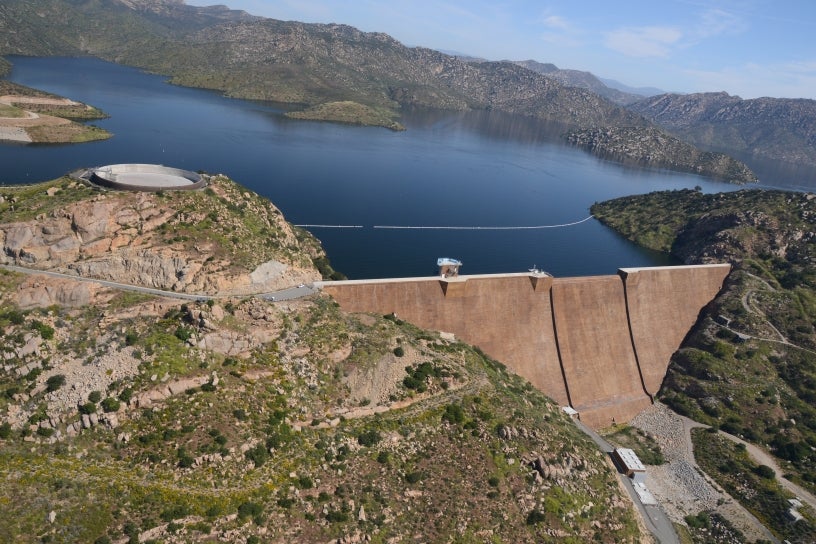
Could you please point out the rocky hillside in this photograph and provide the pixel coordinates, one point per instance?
(749, 366)
(288, 61)
(222, 240)
(762, 128)
(584, 80)
(654, 148)
(127, 417)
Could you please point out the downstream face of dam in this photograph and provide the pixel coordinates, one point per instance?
(599, 344)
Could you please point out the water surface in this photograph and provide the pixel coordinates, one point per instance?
(448, 169)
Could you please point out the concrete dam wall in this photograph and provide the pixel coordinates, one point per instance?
(600, 344)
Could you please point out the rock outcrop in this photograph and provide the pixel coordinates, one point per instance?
(648, 146)
(141, 239)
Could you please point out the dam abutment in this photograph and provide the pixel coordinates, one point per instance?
(600, 344)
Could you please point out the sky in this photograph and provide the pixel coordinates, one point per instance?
(749, 48)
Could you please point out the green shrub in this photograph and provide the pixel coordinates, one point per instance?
(398, 351)
(336, 516)
(110, 404)
(453, 414)
(700, 521)
(131, 338)
(87, 408)
(5, 430)
(214, 511)
(185, 460)
(414, 477)
(131, 530)
(95, 396)
(45, 331)
(258, 454)
(55, 382)
(126, 395)
(369, 438)
(45, 431)
(764, 471)
(240, 414)
(535, 517)
(249, 510)
(201, 527)
(15, 317)
(175, 512)
(305, 482)
(183, 333)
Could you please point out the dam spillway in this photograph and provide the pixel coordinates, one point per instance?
(600, 344)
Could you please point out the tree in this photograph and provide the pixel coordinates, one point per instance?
(55, 382)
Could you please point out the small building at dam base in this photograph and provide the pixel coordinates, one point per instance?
(600, 344)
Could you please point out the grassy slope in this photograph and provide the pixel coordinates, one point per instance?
(749, 366)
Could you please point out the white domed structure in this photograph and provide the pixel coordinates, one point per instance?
(145, 177)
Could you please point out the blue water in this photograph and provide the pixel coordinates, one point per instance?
(454, 169)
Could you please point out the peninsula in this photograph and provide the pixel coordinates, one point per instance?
(32, 116)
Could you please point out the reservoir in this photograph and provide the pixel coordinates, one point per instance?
(448, 169)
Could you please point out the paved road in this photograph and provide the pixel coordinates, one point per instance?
(655, 518)
(111, 284)
(302, 290)
(290, 293)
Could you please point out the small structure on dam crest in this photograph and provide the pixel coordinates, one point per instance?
(448, 267)
(599, 344)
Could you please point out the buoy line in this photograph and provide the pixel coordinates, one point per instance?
(402, 227)
(534, 227)
(330, 226)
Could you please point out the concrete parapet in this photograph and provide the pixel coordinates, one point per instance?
(601, 344)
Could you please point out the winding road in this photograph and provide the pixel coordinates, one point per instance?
(289, 293)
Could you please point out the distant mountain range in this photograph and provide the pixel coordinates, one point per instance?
(642, 91)
(584, 80)
(312, 64)
(763, 128)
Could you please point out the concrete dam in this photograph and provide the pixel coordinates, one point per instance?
(600, 344)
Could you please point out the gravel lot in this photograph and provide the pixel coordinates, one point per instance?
(678, 484)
